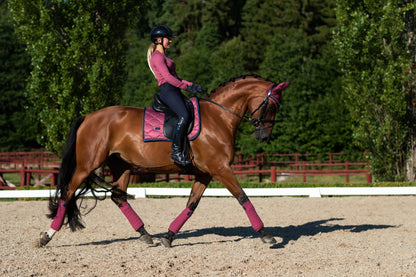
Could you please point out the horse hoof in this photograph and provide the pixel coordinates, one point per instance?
(166, 242)
(44, 239)
(146, 238)
(268, 239)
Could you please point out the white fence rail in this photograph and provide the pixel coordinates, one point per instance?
(217, 192)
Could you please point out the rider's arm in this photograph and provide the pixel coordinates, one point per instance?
(159, 64)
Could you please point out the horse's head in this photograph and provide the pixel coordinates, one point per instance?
(263, 112)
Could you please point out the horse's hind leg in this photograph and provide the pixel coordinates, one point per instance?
(66, 206)
(197, 190)
(46, 237)
(119, 197)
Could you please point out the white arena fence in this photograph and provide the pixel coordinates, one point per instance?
(219, 192)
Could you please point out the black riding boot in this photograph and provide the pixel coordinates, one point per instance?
(178, 142)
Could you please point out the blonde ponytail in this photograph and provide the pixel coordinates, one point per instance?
(150, 51)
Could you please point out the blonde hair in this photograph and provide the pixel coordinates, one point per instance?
(150, 51)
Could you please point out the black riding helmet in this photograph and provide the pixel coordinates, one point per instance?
(161, 31)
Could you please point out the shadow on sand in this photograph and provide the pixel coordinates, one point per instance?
(287, 234)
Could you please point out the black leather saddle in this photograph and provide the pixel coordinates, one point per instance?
(171, 119)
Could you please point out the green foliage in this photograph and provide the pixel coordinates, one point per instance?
(227, 62)
(86, 56)
(372, 53)
(140, 84)
(77, 58)
(17, 127)
(299, 52)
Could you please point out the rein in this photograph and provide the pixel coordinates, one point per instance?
(263, 105)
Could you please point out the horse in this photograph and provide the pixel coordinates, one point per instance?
(113, 136)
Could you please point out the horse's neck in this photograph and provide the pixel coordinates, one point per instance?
(233, 100)
(234, 105)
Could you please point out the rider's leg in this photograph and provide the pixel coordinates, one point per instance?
(174, 99)
(178, 143)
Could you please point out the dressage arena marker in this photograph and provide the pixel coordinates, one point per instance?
(217, 192)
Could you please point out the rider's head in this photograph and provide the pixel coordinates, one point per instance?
(160, 32)
(161, 36)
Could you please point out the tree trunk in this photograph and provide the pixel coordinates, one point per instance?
(411, 92)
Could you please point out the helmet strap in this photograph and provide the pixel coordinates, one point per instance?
(161, 43)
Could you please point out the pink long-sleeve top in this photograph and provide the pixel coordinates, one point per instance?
(165, 71)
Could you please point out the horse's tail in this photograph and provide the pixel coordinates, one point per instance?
(66, 171)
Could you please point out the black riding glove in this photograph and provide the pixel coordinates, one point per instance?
(195, 88)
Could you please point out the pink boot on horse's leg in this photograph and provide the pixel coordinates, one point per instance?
(135, 222)
(256, 223)
(175, 226)
(56, 225)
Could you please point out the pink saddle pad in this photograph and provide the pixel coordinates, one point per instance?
(153, 124)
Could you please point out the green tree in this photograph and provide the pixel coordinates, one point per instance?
(372, 52)
(284, 41)
(77, 56)
(227, 62)
(297, 49)
(259, 22)
(140, 85)
(409, 18)
(17, 127)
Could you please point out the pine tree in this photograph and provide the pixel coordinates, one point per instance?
(17, 127)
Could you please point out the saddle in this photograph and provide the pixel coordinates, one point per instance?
(159, 121)
(171, 118)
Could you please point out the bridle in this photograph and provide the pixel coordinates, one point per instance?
(263, 106)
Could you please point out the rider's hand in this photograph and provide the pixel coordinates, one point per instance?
(194, 88)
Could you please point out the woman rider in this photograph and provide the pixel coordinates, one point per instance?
(164, 69)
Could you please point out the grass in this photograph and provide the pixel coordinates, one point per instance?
(13, 178)
(292, 181)
(324, 179)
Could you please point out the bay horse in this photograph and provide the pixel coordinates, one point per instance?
(113, 137)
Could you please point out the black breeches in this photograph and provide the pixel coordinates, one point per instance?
(173, 97)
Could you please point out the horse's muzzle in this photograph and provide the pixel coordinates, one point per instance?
(262, 135)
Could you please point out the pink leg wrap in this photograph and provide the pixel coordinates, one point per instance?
(60, 215)
(253, 216)
(177, 224)
(131, 215)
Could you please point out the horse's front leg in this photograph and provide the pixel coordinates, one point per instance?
(198, 188)
(227, 178)
(119, 197)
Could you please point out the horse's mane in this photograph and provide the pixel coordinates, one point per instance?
(240, 77)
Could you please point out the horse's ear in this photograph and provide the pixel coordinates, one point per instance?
(277, 90)
(281, 87)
